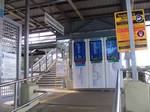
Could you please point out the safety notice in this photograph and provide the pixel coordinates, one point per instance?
(122, 31)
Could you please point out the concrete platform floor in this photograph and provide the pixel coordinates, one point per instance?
(78, 101)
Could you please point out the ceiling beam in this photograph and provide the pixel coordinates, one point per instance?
(44, 5)
(81, 9)
(76, 9)
(18, 15)
(62, 12)
(33, 1)
(23, 15)
(11, 1)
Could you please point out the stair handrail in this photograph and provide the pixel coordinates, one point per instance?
(46, 60)
(117, 98)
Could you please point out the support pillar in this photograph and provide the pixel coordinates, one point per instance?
(24, 86)
(26, 39)
(132, 43)
(1, 30)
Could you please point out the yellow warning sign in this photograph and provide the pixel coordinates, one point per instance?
(122, 31)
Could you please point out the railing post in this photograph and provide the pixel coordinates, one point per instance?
(117, 97)
(52, 57)
(46, 60)
(31, 66)
(16, 103)
(39, 66)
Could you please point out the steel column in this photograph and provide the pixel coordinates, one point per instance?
(18, 69)
(26, 39)
(46, 60)
(132, 43)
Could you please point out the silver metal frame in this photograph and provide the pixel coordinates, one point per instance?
(132, 43)
(117, 98)
(45, 60)
(18, 58)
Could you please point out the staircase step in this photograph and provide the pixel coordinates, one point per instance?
(49, 84)
(50, 73)
(50, 80)
(59, 83)
(49, 76)
(54, 77)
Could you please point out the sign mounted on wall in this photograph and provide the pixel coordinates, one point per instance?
(122, 30)
(95, 51)
(111, 50)
(79, 53)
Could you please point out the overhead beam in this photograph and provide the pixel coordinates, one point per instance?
(76, 9)
(44, 4)
(21, 16)
(62, 12)
(81, 9)
(33, 1)
(18, 16)
(47, 4)
(12, 1)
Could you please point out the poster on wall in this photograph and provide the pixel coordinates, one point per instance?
(8, 65)
(95, 51)
(112, 50)
(79, 53)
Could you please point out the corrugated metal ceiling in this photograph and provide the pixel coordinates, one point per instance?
(62, 10)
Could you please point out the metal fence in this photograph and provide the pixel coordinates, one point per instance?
(44, 63)
(10, 43)
(38, 68)
(7, 90)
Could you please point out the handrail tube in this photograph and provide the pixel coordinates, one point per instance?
(20, 80)
(118, 93)
(43, 58)
(31, 101)
(117, 98)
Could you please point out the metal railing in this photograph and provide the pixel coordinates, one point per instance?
(37, 71)
(44, 62)
(117, 98)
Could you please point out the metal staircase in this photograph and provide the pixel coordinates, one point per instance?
(47, 65)
(50, 79)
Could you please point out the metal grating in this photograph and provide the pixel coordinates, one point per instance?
(9, 37)
(9, 40)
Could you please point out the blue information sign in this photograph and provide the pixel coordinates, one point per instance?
(112, 50)
(95, 51)
(79, 53)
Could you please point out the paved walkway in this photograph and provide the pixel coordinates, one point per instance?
(78, 101)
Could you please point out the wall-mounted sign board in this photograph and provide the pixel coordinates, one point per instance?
(112, 50)
(79, 53)
(95, 51)
(122, 31)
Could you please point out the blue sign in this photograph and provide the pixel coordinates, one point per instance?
(79, 53)
(112, 50)
(95, 51)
